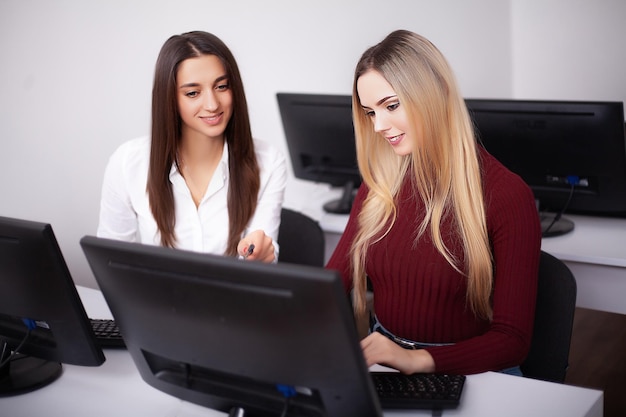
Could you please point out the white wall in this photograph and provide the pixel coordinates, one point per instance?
(76, 75)
(569, 49)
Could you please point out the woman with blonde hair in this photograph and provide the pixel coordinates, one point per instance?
(446, 238)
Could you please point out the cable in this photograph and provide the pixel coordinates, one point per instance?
(15, 352)
(4, 349)
(288, 391)
(285, 407)
(558, 216)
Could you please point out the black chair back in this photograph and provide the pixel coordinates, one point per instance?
(301, 239)
(548, 358)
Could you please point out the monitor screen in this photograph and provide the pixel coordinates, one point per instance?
(571, 153)
(320, 138)
(42, 319)
(232, 334)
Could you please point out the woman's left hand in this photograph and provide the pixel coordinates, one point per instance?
(263, 249)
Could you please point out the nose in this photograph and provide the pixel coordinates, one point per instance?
(211, 103)
(381, 123)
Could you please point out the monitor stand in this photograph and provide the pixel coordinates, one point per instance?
(26, 373)
(551, 228)
(343, 204)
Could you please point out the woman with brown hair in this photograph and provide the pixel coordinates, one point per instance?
(447, 239)
(200, 181)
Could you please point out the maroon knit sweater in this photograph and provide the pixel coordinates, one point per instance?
(419, 296)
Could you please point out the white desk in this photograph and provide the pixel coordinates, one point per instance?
(116, 389)
(595, 251)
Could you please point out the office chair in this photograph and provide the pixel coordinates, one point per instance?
(554, 319)
(301, 239)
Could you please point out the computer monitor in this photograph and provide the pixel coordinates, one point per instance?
(233, 334)
(42, 320)
(571, 153)
(320, 138)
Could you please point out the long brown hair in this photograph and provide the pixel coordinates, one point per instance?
(166, 136)
(445, 169)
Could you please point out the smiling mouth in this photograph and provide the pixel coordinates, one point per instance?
(212, 119)
(395, 139)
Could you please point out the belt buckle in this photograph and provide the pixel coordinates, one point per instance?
(405, 343)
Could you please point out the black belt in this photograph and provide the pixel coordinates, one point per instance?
(375, 326)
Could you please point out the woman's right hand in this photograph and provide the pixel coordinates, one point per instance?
(381, 350)
(263, 247)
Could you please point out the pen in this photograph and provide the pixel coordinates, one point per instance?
(249, 251)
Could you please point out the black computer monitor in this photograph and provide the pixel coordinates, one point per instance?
(320, 138)
(571, 153)
(228, 333)
(42, 320)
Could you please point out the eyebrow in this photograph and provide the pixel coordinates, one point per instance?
(381, 101)
(195, 84)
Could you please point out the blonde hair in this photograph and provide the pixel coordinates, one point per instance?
(444, 166)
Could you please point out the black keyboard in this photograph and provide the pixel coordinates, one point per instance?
(107, 333)
(418, 391)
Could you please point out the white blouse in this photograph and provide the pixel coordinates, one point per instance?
(125, 209)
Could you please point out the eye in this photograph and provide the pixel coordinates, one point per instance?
(369, 113)
(393, 106)
(191, 94)
(222, 87)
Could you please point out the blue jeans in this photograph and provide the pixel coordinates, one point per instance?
(514, 370)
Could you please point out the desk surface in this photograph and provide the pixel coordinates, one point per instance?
(116, 389)
(594, 240)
